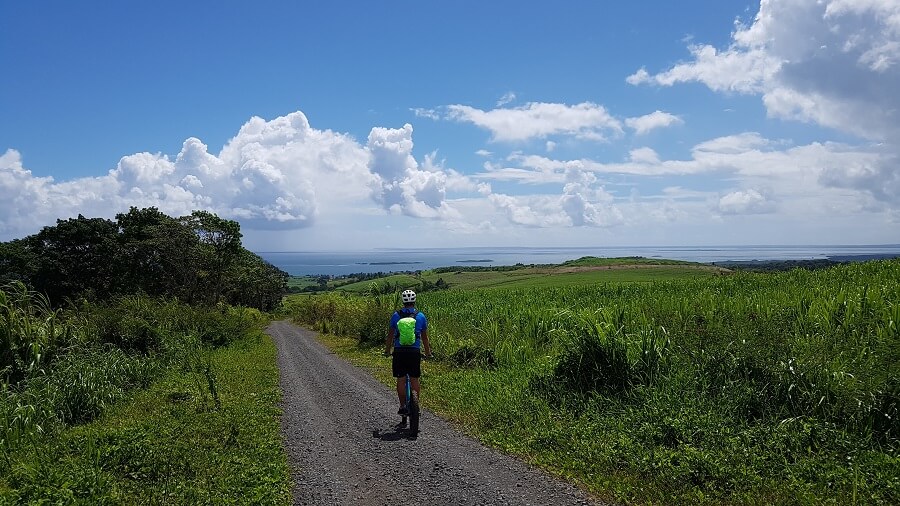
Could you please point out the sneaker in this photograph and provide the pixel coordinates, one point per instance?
(403, 411)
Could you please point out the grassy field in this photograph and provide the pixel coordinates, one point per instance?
(585, 270)
(741, 389)
(137, 401)
(178, 442)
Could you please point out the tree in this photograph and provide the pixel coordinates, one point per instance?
(78, 255)
(197, 258)
(219, 245)
(157, 252)
(254, 282)
(17, 262)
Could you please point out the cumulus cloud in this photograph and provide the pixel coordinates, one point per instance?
(830, 62)
(644, 156)
(748, 201)
(586, 204)
(531, 211)
(816, 175)
(654, 120)
(582, 202)
(538, 120)
(400, 185)
(835, 63)
(277, 174)
(274, 174)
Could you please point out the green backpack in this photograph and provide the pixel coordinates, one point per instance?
(407, 327)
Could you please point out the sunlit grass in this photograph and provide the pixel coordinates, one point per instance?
(170, 444)
(747, 389)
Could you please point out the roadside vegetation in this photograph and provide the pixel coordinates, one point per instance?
(748, 388)
(125, 375)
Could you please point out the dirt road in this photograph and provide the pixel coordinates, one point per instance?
(339, 431)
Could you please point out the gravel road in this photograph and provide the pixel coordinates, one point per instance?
(343, 448)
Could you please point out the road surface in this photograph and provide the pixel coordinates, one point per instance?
(343, 448)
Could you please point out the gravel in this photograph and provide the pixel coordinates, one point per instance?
(339, 430)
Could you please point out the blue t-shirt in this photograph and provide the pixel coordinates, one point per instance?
(421, 324)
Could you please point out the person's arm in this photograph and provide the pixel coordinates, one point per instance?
(425, 343)
(389, 340)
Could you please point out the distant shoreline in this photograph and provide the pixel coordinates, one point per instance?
(348, 262)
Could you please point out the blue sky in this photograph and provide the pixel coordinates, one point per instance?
(354, 125)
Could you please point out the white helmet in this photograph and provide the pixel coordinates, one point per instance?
(408, 296)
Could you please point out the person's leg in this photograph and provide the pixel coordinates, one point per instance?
(399, 372)
(401, 391)
(415, 370)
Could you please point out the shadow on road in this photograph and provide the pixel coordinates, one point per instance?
(397, 432)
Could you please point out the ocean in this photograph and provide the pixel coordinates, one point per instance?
(336, 263)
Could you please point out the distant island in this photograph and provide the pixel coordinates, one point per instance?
(478, 261)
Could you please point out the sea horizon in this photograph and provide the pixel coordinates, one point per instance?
(343, 262)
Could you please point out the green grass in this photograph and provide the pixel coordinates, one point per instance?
(170, 443)
(301, 282)
(577, 272)
(630, 261)
(740, 389)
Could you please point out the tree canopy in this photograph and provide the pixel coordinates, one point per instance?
(197, 258)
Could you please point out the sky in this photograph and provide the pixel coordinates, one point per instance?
(352, 125)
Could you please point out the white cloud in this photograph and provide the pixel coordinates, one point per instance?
(587, 205)
(538, 120)
(426, 113)
(272, 175)
(639, 77)
(644, 156)
(534, 211)
(831, 62)
(731, 70)
(507, 98)
(731, 144)
(656, 119)
(748, 201)
(402, 186)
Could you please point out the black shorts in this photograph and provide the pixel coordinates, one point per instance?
(407, 361)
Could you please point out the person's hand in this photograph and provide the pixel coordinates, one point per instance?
(387, 354)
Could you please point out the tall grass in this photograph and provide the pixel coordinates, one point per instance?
(65, 367)
(30, 333)
(800, 368)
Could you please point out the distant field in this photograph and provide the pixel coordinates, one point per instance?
(301, 282)
(560, 277)
(584, 271)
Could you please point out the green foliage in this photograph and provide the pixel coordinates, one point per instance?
(30, 333)
(750, 388)
(363, 318)
(95, 311)
(603, 353)
(168, 444)
(67, 367)
(196, 258)
(597, 261)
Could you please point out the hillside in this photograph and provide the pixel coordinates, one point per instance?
(581, 271)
